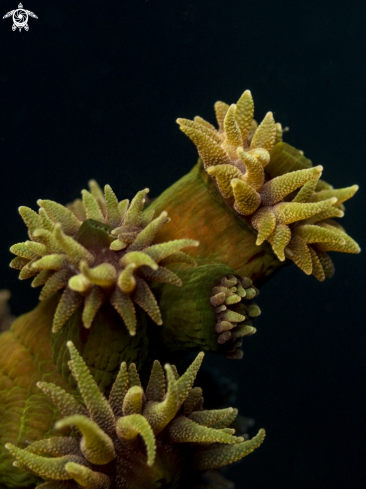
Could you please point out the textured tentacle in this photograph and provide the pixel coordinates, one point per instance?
(184, 430)
(132, 402)
(278, 188)
(159, 414)
(298, 251)
(119, 390)
(86, 477)
(129, 427)
(99, 409)
(156, 388)
(214, 458)
(280, 239)
(224, 174)
(264, 221)
(254, 175)
(265, 135)
(247, 200)
(96, 446)
(59, 214)
(51, 468)
(244, 114)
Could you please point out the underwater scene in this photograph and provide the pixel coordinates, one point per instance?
(181, 279)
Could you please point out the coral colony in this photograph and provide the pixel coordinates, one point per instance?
(85, 401)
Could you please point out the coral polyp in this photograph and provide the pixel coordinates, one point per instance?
(234, 309)
(260, 176)
(135, 438)
(98, 249)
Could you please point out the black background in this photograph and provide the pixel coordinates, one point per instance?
(93, 89)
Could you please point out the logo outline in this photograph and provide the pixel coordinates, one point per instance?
(20, 18)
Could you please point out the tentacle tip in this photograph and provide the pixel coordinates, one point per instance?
(269, 115)
(167, 366)
(70, 344)
(37, 232)
(234, 182)
(55, 328)
(58, 229)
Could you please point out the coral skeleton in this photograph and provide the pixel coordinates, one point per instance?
(96, 250)
(268, 180)
(122, 441)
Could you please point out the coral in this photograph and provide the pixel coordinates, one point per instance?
(252, 203)
(5, 315)
(261, 177)
(26, 414)
(213, 310)
(98, 249)
(82, 255)
(232, 302)
(224, 237)
(104, 449)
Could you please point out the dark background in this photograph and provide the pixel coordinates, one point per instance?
(93, 91)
